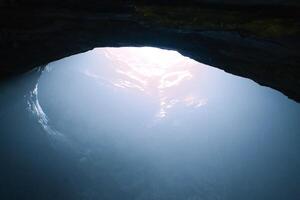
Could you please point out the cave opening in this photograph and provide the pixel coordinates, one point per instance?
(149, 123)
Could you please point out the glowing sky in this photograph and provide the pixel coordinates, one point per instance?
(155, 72)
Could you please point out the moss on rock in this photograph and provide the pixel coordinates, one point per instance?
(197, 19)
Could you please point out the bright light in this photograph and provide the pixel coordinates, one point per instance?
(154, 71)
(146, 61)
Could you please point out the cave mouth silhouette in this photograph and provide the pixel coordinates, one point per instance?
(257, 40)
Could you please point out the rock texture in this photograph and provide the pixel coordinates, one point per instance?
(255, 39)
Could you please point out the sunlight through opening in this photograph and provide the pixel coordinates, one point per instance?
(153, 71)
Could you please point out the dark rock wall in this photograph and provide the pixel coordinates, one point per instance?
(260, 41)
(92, 3)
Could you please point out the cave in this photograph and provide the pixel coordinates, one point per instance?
(195, 99)
(254, 39)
